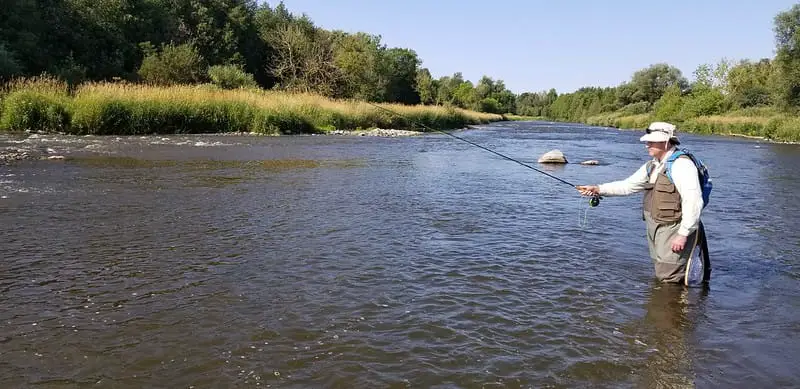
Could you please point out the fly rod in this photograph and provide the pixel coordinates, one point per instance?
(594, 201)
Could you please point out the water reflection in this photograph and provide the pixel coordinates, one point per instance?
(668, 334)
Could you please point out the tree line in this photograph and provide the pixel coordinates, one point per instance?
(241, 43)
(747, 87)
(231, 43)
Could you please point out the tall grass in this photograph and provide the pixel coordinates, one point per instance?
(763, 122)
(128, 109)
(779, 127)
(620, 119)
(36, 104)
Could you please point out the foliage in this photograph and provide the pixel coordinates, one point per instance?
(9, 64)
(703, 102)
(750, 84)
(174, 64)
(425, 86)
(787, 59)
(231, 77)
(255, 45)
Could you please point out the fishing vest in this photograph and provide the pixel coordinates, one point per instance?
(661, 198)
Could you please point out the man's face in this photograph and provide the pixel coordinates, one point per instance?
(656, 149)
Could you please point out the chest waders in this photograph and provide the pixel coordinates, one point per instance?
(661, 211)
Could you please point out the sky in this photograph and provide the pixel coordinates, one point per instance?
(536, 45)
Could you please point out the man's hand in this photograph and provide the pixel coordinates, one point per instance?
(588, 190)
(678, 243)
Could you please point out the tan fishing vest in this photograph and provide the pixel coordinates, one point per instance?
(661, 198)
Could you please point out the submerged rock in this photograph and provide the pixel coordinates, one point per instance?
(553, 156)
(590, 162)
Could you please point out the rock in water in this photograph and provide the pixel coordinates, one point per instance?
(591, 162)
(553, 156)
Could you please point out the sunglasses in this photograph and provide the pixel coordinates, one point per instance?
(647, 131)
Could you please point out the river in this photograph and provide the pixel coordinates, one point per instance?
(375, 262)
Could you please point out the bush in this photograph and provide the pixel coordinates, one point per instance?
(703, 103)
(180, 64)
(489, 105)
(231, 77)
(669, 106)
(639, 108)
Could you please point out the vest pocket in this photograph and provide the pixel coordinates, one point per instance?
(667, 210)
(665, 186)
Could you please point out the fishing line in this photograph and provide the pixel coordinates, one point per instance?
(593, 201)
(583, 212)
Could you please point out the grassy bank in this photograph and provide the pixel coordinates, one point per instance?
(521, 118)
(762, 123)
(133, 109)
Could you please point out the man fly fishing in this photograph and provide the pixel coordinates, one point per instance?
(676, 187)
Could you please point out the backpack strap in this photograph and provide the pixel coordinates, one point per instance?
(677, 154)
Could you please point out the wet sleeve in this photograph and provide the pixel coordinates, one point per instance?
(687, 183)
(634, 183)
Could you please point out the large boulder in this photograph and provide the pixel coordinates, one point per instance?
(553, 156)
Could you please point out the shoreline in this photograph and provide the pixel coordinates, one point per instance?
(137, 109)
(11, 155)
(732, 134)
(735, 135)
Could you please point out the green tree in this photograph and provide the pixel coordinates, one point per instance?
(750, 83)
(173, 64)
(425, 86)
(713, 76)
(669, 106)
(357, 57)
(400, 72)
(649, 84)
(445, 93)
(304, 60)
(787, 59)
(464, 96)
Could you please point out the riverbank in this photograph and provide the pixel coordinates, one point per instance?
(764, 124)
(133, 109)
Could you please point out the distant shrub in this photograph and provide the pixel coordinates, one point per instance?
(181, 64)
(635, 108)
(231, 77)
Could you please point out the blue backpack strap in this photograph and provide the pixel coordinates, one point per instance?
(675, 156)
(702, 172)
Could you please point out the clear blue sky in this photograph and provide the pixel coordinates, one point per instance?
(535, 45)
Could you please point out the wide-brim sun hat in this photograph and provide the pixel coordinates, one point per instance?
(659, 132)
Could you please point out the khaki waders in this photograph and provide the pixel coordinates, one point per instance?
(671, 266)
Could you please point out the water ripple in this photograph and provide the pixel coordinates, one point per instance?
(195, 261)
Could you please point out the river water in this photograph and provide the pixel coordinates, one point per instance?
(369, 262)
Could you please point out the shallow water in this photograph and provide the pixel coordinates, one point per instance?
(313, 261)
